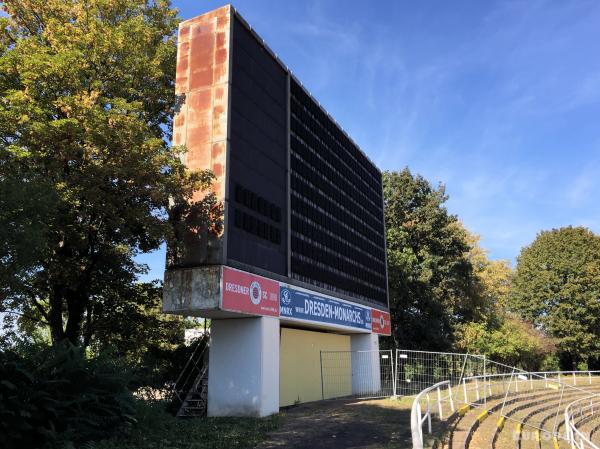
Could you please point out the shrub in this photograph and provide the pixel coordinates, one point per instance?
(159, 429)
(55, 397)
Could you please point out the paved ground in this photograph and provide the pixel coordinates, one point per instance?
(347, 424)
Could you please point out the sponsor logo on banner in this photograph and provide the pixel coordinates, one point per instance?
(381, 322)
(248, 293)
(306, 306)
(286, 298)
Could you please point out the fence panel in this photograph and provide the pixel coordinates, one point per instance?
(360, 374)
(418, 370)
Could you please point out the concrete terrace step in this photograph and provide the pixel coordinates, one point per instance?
(459, 438)
(463, 429)
(511, 436)
(482, 427)
(468, 415)
(506, 438)
(595, 434)
(488, 433)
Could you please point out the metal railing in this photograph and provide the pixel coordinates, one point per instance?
(579, 409)
(481, 386)
(503, 388)
(445, 381)
(418, 418)
(191, 372)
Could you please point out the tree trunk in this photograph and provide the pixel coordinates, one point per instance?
(55, 319)
(75, 302)
(87, 330)
(76, 305)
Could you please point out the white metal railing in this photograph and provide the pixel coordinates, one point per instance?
(474, 391)
(418, 418)
(578, 409)
(476, 388)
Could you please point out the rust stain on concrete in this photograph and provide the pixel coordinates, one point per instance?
(202, 81)
(203, 77)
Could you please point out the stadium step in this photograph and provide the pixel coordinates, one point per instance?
(482, 426)
(523, 431)
(476, 416)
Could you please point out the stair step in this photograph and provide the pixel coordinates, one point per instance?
(195, 399)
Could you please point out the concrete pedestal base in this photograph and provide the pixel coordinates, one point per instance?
(366, 369)
(243, 375)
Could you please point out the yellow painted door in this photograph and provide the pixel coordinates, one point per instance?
(300, 365)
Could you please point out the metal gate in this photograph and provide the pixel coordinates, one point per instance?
(359, 374)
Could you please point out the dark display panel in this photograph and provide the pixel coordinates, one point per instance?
(334, 203)
(337, 234)
(257, 181)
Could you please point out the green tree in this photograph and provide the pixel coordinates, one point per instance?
(494, 277)
(501, 336)
(87, 177)
(131, 321)
(507, 340)
(557, 287)
(431, 280)
(129, 326)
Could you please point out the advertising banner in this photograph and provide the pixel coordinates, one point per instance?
(256, 295)
(249, 293)
(306, 306)
(381, 322)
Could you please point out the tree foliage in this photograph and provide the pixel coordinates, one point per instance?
(130, 321)
(493, 277)
(445, 293)
(557, 287)
(130, 327)
(507, 340)
(503, 337)
(431, 279)
(86, 175)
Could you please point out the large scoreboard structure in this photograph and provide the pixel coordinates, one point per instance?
(301, 257)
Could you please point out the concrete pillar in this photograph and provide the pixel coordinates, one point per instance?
(243, 372)
(366, 369)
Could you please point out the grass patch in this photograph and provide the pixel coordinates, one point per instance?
(158, 429)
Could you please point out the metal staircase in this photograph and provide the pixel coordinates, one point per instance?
(191, 387)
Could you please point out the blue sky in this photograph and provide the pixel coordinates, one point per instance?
(500, 101)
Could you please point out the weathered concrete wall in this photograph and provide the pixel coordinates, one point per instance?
(201, 124)
(189, 291)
